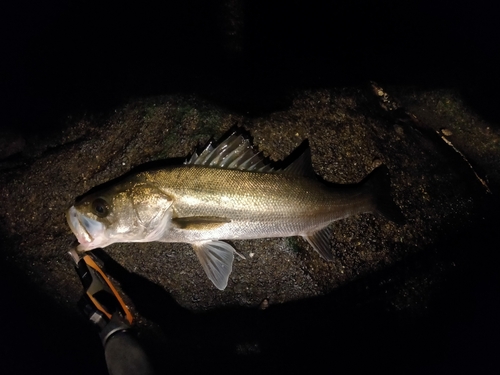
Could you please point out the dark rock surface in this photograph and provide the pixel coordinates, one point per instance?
(396, 277)
(85, 105)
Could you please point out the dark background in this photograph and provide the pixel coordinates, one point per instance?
(61, 58)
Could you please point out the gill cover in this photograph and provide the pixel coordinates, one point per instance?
(128, 212)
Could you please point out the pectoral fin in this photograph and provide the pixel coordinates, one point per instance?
(320, 241)
(199, 222)
(216, 258)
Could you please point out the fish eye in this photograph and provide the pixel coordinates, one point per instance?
(100, 207)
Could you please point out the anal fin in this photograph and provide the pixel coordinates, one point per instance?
(320, 241)
(216, 258)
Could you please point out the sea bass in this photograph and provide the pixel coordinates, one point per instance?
(227, 191)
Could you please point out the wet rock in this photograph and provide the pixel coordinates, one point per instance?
(378, 266)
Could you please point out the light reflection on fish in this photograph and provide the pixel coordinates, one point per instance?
(226, 192)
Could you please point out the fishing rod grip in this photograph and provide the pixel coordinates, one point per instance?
(125, 356)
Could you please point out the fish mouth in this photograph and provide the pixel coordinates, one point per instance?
(85, 229)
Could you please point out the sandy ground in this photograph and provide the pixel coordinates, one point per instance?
(393, 294)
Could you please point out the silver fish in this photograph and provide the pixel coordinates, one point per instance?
(225, 192)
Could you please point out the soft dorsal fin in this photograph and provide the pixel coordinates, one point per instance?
(302, 166)
(234, 152)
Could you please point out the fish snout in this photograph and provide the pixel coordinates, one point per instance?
(85, 229)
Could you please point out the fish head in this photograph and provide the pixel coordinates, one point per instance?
(128, 212)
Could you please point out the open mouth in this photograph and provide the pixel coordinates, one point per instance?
(86, 230)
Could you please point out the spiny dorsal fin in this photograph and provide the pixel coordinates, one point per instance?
(235, 152)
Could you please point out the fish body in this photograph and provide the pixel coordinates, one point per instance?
(226, 192)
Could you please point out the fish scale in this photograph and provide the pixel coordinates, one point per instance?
(279, 205)
(226, 192)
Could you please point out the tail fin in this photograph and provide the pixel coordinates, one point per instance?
(379, 184)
